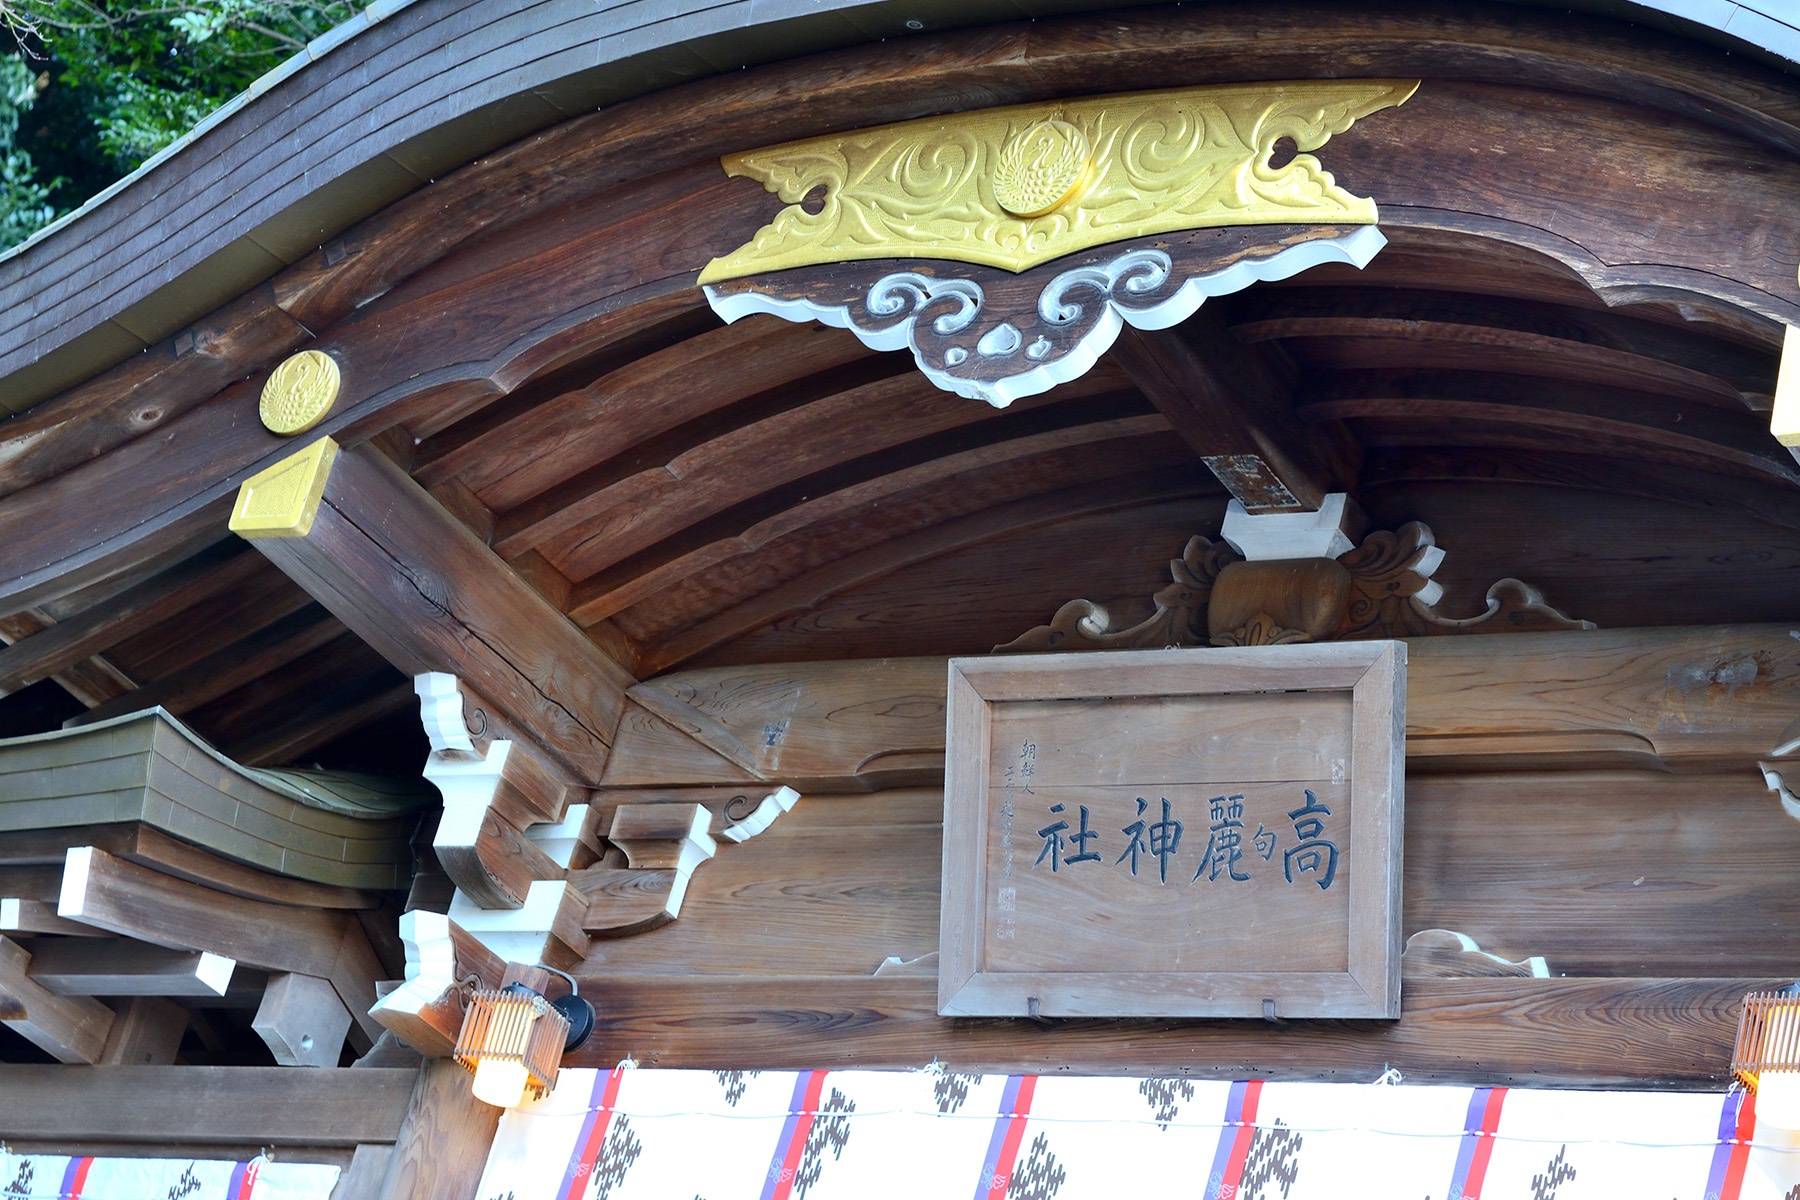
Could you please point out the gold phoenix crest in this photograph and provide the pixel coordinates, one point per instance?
(1016, 187)
(299, 393)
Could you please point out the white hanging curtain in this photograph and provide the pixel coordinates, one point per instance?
(864, 1135)
(64, 1177)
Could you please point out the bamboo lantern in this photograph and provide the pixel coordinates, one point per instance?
(1767, 1059)
(512, 1039)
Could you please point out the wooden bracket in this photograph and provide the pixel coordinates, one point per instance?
(494, 790)
(426, 1011)
(663, 843)
(1214, 392)
(1380, 589)
(302, 1021)
(427, 594)
(71, 1029)
(110, 893)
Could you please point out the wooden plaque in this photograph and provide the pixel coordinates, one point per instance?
(1175, 833)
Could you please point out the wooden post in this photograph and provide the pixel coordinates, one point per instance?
(444, 1141)
(146, 1032)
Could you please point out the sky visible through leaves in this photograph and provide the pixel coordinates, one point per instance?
(89, 89)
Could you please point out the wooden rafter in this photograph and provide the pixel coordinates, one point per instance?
(946, 537)
(726, 467)
(837, 522)
(214, 675)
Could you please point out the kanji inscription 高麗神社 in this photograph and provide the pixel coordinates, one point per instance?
(1175, 833)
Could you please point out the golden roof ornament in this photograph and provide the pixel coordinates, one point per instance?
(299, 393)
(1019, 186)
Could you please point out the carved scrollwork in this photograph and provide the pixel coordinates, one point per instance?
(1387, 572)
(1260, 630)
(1179, 619)
(1391, 595)
(1017, 187)
(992, 335)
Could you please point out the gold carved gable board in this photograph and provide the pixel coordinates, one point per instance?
(1016, 187)
(1175, 833)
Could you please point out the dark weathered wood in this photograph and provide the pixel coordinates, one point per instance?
(88, 633)
(1696, 698)
(146, 1032)
(257, 1106)
(419, 587)
(147, 390)
(1559, 144)
(735, 465)
(1459, 407)
(952, 599)
(71, 1029)
(652, 396)
(1228, 410)
(208, 678)
(1581, 1032)
(93, 681)
(152, 848)
(113, 894)
(1635, 330)
(723, 586)
(117, 967)
(443, 1144)
(497, 869)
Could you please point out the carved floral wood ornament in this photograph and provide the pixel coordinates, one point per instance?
(994, 243)
(1381, 589)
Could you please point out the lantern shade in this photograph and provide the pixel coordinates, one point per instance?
(512, 1039)
(1767, 1059)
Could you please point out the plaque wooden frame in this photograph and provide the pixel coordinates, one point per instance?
(1368, 985)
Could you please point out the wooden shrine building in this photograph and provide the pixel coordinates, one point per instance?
(654, 491)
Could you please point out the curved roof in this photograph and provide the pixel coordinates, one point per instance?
(405, 92)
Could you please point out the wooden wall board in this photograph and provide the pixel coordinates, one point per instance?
(1609, 873)
(1489, 1032)
(867, 892)
(205, 1106)
(1603, 873)
(1692, 698)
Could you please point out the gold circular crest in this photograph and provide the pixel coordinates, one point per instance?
(299, 393)
(1041, 168)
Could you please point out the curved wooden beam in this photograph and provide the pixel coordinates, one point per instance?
(1568, 111)
(745, 467)
(1128, 490)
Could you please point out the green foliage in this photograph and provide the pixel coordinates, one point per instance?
(115, 82)
(24, 200)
